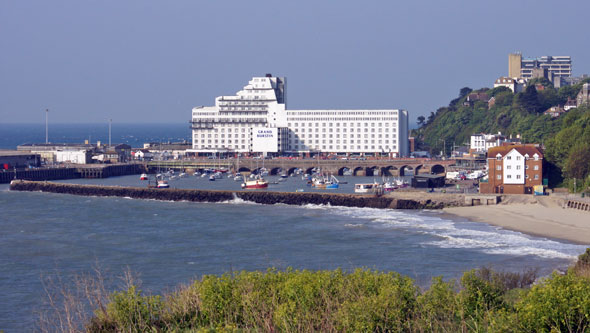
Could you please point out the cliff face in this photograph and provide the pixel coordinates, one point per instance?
(262, 197)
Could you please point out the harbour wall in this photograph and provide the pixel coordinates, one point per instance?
(81, 171)
(261, 197)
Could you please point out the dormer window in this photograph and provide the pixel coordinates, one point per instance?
(536, 157)
(498, 157)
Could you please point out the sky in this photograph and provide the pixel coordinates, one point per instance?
(147, 61)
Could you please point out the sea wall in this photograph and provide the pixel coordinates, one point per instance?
(262, 197)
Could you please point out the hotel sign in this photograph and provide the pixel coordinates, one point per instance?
(265, 140)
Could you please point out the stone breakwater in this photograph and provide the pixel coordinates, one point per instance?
(261, 197)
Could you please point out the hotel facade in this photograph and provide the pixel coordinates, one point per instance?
(256, 120)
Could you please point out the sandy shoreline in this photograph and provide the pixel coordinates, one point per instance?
(544, 218)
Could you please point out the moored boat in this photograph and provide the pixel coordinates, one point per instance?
(162, 184)
(256, 183)
(143, 176)
(365, 188)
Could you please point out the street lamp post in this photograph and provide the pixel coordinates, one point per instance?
(444, 147)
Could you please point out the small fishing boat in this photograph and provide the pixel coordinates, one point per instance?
(162, 184)
(259, 182)
(143, 176)
(330, 183)
(366, 188)
(212, 178)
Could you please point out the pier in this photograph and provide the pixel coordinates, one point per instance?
(72, 172)
(261, 197)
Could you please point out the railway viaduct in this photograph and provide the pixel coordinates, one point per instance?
(390, 167)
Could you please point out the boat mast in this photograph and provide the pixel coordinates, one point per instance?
(46, 126)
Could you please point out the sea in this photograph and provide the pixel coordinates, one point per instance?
(167, 244)
(135, 135)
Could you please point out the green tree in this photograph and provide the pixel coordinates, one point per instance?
(578, 162)
(464, 92)
(421, 120)
(528, 100)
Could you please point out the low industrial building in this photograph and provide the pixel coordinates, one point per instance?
(428, 181)
(77, 153)
(10, 159)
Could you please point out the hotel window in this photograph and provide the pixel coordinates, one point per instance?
(518, 158)
(536, 167)
(508, 157)
(499, 167)
(508, 176)
(526, 166)
(517, 176)
(518, 167)
(508, 167)
(536, 176)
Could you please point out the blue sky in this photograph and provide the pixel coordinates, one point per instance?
(152, 61)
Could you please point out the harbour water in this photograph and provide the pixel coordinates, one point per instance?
(170, 243)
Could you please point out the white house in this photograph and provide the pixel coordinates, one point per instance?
(515, 84)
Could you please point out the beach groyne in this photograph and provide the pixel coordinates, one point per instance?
(261, 197)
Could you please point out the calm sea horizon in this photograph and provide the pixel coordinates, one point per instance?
(135, 135)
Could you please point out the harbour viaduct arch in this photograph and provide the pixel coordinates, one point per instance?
(391, 167)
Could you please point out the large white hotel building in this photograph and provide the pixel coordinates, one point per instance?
(256, 120)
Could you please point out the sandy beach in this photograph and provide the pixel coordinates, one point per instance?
(540, 217)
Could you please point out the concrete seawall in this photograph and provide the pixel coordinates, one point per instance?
(262, 197)
(79, 171)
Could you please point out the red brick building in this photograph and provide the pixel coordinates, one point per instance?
(513, 169)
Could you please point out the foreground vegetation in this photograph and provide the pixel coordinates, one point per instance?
(364, 300)
(566, 138)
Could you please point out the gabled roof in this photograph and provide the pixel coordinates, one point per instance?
(522, 149)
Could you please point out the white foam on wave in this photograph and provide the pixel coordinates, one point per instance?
(237, 201)
(453, 234)
(354, 225)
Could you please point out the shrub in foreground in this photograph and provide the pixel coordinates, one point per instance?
(363, 300)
